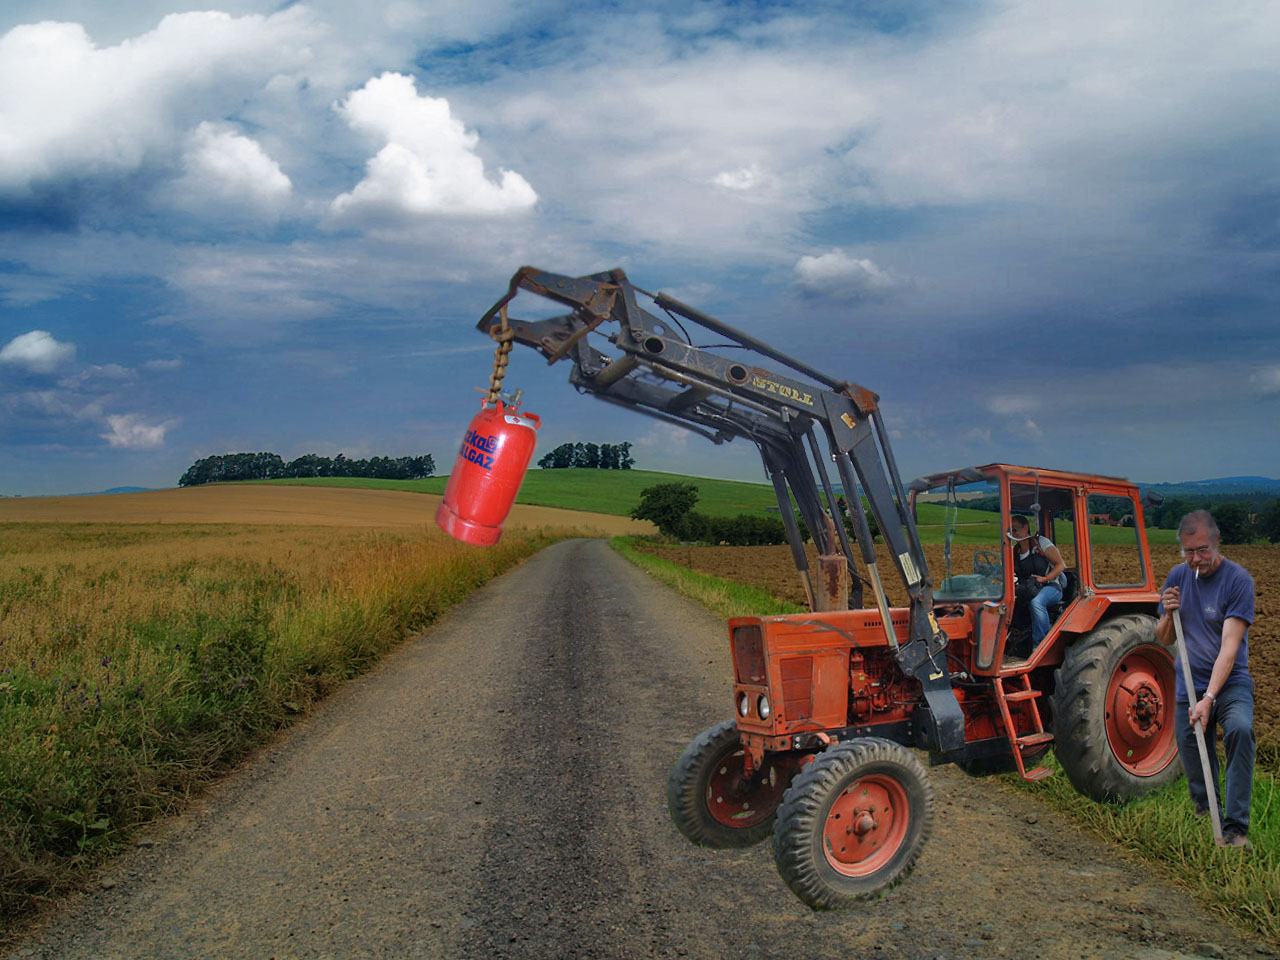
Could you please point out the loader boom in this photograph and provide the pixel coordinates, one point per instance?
(657, 369)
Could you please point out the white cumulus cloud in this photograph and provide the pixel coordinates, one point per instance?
(224, 168)
(38, 351)
(71, 108)
(1268, 380)
(665, 438)
(1017, 410)
(744, 178)
(50, 406)
(1009, 405)
(428, 165)
(128, 432)
(836, 274)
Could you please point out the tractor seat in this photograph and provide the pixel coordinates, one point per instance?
(1068, 594)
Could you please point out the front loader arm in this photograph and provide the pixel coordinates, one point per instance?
(656, 369)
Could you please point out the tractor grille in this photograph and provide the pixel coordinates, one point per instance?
(797, 687)
(748, 655)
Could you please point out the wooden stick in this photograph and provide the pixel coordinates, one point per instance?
(1199, 728)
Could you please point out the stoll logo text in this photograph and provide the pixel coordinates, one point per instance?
(782, 390)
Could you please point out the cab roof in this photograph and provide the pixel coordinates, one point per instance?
(1044, 475)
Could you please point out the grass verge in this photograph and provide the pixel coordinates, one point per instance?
(724, 597)
(138, 662)
(1160, 828)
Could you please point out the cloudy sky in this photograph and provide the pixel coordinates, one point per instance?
(1043, 232)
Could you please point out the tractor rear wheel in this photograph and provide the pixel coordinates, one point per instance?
(853, 822)
(712, 800)
(1113, 708)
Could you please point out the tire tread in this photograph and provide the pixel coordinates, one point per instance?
(686, 801)
(1080, 740)
(801, 816)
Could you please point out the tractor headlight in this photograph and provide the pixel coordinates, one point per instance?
(744, 705)
(763, 706)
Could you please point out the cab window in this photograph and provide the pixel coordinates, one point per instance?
(1114, 546)
(964, 517)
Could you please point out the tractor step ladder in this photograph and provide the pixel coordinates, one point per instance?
(1020, 742)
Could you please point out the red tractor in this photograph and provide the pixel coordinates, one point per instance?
(832, 707)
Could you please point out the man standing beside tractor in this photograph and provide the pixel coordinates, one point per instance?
(1216, 615)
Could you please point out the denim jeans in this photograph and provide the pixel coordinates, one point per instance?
(1233, 711)
(1049, 593)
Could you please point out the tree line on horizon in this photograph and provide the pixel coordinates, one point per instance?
(603, 456)
(1241, 518)
(1239, 521)
(270, 466)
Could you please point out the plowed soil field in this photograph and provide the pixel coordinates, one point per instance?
(771, 568)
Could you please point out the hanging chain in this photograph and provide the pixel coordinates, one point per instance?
(504, 335)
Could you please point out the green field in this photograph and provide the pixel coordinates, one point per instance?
(600, 491)
(618, 491)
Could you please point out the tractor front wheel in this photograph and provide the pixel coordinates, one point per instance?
(853, 822)
(712, 799)
(1113, 709)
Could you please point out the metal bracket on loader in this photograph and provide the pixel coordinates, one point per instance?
(656, 369)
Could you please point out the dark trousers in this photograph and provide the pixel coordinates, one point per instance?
(1233, 711)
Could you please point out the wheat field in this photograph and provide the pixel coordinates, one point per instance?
(148, 640)
(255, 504)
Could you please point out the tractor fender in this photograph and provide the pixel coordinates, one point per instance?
(1085, 614)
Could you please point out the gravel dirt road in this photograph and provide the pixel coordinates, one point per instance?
(496, 789)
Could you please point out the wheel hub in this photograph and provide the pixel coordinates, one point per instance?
(866, 825)
(1141, 705)
(1139, 712)
(738, 800)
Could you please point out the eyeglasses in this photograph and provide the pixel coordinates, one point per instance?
(1197, 551)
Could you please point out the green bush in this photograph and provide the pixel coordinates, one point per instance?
(666, 506)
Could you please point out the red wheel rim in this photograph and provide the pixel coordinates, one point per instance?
(740, 801)
(866, 825)
(1139, 712)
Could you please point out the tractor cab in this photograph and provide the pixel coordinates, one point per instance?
(1094, 522)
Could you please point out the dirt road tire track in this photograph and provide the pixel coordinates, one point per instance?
(496, 789)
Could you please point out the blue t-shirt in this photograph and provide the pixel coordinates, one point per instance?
(1206, 604)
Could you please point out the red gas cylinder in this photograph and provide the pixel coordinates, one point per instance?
(486, 477)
